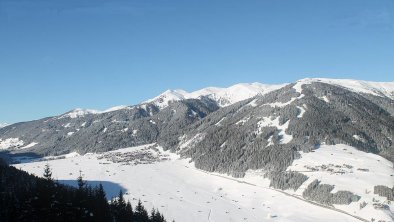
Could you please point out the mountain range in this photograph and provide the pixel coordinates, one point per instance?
(234, 130)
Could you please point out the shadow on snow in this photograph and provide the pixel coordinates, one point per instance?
(111, 189)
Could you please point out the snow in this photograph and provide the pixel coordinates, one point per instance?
(70, 133)
(367, 170)
(302, 111)
(219, 123)
(184, 193)
(3, 125)
(79, 112)
(67, 125)
(115, 108)
(375, 88)
(224, 96)
(270, 122)
(280, 104)
(253, 103)
(125, 130)
(135, 132)
(29, 145)
(10, 143)
(357, 137)
(83, 124)
(71, 155)
(194, 113)
(270, 142)
(191, 142)
(243, 121)
(325, 99)
(105, 129)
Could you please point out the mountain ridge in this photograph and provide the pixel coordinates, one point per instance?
(326, 119)
(247, 90)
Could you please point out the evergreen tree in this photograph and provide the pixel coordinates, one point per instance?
(81, 182)
(25, 197)
(47, 172)
(141, 214)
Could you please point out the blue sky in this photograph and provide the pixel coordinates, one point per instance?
(57, 55)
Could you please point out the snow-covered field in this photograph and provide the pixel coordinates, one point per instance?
(349, 169)
(183, 193)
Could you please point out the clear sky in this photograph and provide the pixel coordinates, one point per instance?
(58, 55)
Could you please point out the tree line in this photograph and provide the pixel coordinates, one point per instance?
(25, 197)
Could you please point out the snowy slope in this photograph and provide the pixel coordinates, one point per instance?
(3, 125)
(224, 96)
(375, 88)
(184, 193)
(348, 169)
(79, 112)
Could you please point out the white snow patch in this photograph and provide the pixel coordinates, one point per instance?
(194, 113)
(83, 124)
(357, 137)
(3, 125)
(135, 132)
(70, 133)
(29, 145)
(78, 113)
(359, 86)
(325, 99)
(302, 111)
(270, 142)
(190, 143)
(10, 143)
(125, 130)
(219, 123)
(115, 108)
(153, 122)
(270, 122)
(253, 103)
(118, 121)
(243, 121)
(298, 86)
(67, 125)
(105, 129)
(280, 104)
(71, 155)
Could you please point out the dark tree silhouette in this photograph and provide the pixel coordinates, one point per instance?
(25, 197)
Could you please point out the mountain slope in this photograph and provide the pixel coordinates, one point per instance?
(241, 129)
(84, 132)
(268, 131)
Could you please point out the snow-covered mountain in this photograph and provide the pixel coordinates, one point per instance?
(223, 96)
(385, 89)
(242, 91)
(306, 138)
(3, 125)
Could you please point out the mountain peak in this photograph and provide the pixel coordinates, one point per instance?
(223, 96)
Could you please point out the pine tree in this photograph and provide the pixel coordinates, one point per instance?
(81, 182)
(47, 172)
(141, 215)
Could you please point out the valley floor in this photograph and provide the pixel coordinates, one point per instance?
(183, 193)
